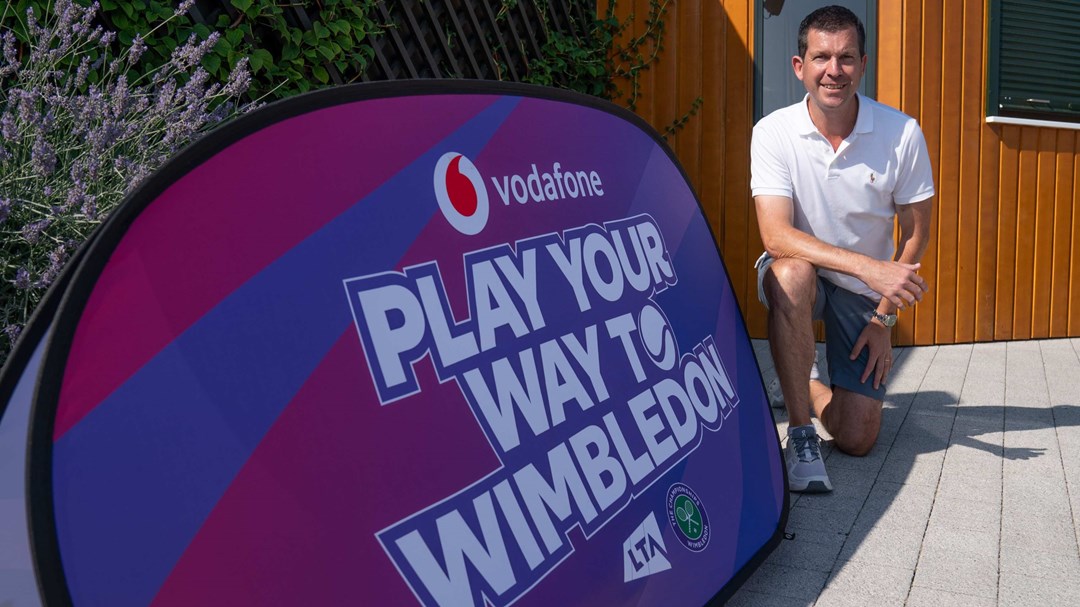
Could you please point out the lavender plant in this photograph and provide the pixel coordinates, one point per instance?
(76, 136)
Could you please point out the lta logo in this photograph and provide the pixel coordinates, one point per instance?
(461, 193)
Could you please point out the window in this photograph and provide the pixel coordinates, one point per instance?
(1034, 62)
(777, 42)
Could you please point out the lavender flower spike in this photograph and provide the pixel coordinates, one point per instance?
(78, 133)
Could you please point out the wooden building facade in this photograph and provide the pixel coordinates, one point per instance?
(1004, 258)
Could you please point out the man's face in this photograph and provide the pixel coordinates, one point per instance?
(832, 67)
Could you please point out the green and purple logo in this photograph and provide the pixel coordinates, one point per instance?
(688, 517)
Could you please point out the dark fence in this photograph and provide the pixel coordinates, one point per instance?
(488, 40)
(479, 39)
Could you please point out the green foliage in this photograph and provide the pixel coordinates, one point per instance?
(571, 63)
(334, 47)
(607, 53)
(291, 47)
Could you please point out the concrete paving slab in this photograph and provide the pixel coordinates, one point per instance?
(1039, 564)
(749, 598)
(790, 582)
(965, 514)
(959, 574)
(982, 421)
(1074, 499)
(905, 464)
(871, 581)
(886, 546)
(985, 380)
(896, 505)
(971, 456)
(1024, 591)
(809, 549)
(958, 485)
(930, 597)
(949, 544)
(854, 597)
(1034, 495)
(816, 519)
(1054, 535)
(970, 497)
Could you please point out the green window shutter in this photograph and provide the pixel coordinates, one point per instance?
(1035, 59)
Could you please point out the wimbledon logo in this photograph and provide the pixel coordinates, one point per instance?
(461, 193)
(687, 517)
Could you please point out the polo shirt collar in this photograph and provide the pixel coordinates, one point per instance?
(864, 122)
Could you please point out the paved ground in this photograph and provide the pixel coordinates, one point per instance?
(971, 496)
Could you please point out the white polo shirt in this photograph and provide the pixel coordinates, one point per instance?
(846, 198)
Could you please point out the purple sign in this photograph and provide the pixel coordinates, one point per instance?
(436, 343)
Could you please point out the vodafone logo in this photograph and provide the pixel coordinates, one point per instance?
(461, 193)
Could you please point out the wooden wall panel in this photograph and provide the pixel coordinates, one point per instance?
(989, 215)
(713, 28)
(1062, 228)
(1004, 260)
(948, 43)
(1027, 189)
(1044, 234)
(970, 100)
(922, 64)
(1008, 201)
(1074, 250)
(739, 232)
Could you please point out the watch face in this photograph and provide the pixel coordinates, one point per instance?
(887, 319)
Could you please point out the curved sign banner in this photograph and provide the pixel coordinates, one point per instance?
(436, 343)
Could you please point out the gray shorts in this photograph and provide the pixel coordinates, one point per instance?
(845, 315)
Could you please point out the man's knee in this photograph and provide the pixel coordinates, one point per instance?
(790, 282)
(856, 444)
(856, 423)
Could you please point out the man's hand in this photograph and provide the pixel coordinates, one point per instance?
(897, 282)
(875, 336)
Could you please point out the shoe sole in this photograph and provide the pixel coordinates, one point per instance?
(813, 487)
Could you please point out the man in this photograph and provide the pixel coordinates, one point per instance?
(829, 176)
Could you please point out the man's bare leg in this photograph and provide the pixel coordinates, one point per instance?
(791, 288)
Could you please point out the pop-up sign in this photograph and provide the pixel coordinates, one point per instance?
(437, 343)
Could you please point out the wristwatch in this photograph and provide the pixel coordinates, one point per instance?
(886, 319)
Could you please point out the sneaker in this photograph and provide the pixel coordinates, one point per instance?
(806, 469)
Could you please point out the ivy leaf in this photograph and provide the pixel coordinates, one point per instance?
(120, 21)
(234, 36)
(241, 5)
(320, 74)
(290, 52)
(261, 58)
(212, 62)
(327, 52)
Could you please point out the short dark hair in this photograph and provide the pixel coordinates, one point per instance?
(831, 19)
